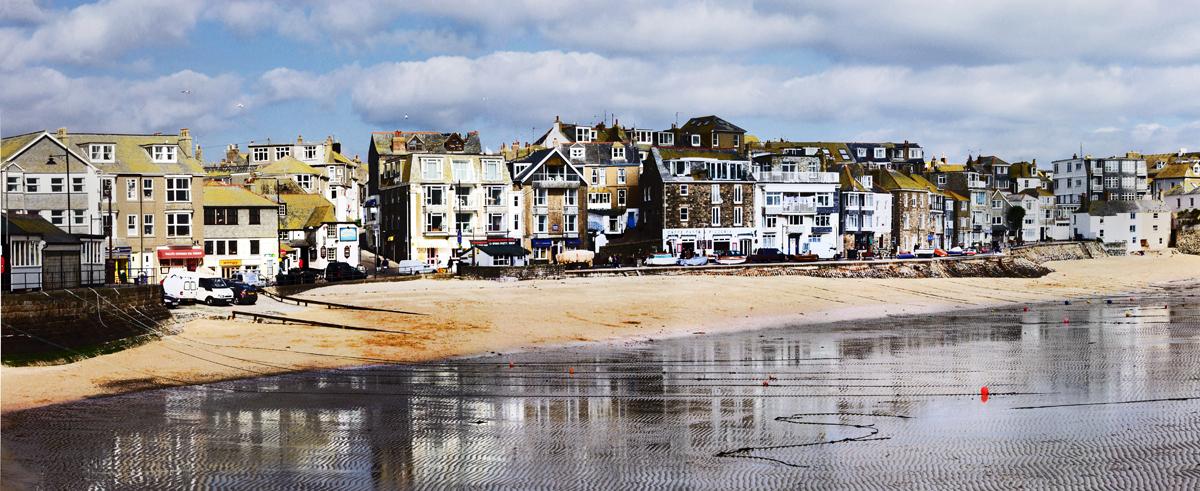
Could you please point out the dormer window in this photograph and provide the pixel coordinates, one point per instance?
(695, 140)
(281, 152)
(164, 153)
(618, 152)
(666, 139)
(454, 143)
(583, 134)
(101, 152)
(415, 145)
(260, 155)
(880, 153)
(862, 153)
(576, 153)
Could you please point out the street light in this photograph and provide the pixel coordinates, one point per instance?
(67, 158)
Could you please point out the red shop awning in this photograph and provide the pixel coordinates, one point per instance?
(181, 253)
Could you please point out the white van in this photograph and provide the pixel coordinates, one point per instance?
(197, 287)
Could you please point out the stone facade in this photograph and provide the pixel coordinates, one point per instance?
(81, 320)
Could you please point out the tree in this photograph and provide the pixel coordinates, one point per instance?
(1016, 216)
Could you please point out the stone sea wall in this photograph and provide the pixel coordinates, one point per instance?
(1063, 251)
(1188, 241)
(58, 324)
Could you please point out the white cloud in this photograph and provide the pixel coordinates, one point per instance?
(22, 12)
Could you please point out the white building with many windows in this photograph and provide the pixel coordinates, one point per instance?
(798, 210)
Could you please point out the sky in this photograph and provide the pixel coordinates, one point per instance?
(1017, 79)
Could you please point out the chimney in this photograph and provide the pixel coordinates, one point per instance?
(231, 153)
(185, 141)
(198, 156)
(300, 139)
(397, 142)
(62, 135)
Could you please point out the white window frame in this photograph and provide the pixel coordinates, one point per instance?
(147, 225)
(620, 197)
(595, 177)
(716, 216)
(281, 152)
(261, 154)
(737, 217)
(58, 217)
(577, 153)
(499, 224)
(683, 189)
(491, 170)
(431, 169)
(880, 153)
(164, 154)
(570, 223)
(620, 176)
(683, 214)
(429, 193)
(462, 170)
(716, 140)
(13, 184)
(78, 185)
(695, 140)
(618, 152)
(56, 184)
(305, 181)
(101, 152)
(666, 139)
(147, 189)
(131, 225)
(716, 194)
(543, 223)
(737, 194)
(570, 198)
(429, 222)
(173, 224)
(310, 152)
(540, 197)
(179, 187)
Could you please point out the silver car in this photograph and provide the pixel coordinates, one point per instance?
(413, 266)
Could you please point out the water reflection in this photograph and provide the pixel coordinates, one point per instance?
(892, 402)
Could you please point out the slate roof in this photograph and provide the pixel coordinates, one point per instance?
(1112, 207)
(133, 153)
(288, 166)
(705, 124)
(433, 142)
(306, 211)
(1176, 171)
(1022, 170)
(600, 153)
(20, 224)
(219, 194)
(32, 153)
(895, 181)
(540, 157)
(921, 181)
(1183, 189)
(847, 181)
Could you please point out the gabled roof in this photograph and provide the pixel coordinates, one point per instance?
(288, 166)
(921, 181)
(306, 211)
(133, 153)
(1187, 187)
(539, 159)
(19, 224)
(32, 153)
(1176, 171)
(705, 124)
(1022, 170)
(220, 194)
(846, 180)
(1112, 207)
(895, 181)
(433, 141)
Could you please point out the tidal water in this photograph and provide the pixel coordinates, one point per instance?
(1110, 400)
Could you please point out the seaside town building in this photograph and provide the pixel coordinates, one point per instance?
(866, 213)
(41, 256)
(1136, 225)
(241, 232)
(551, 193)
(312, 235)
(701, 200)
(41, 173)
(797, 203)
(911, 224)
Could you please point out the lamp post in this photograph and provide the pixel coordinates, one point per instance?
(67, 159)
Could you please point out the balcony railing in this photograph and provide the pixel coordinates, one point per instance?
(799, 207)
(793, 177)
(795, 229)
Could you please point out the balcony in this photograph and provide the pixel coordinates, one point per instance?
(799, 208)
(976, 184)
(795, 229)
(796, 177)
(1097, 187)
(556, 184)
(464, 202)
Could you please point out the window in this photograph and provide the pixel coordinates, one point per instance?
(774, 199)
(491, 170)
(666, 139)
(737, 194)
(435, 222)
(164, 153)
(431, 169)
(132, 225)
(1133, 228)
(620, 176)
(77, 185)
(576, 153)
(737, 217)
(540, 197)
(683, 213)
(495, 222)
(13, 184)
(281, 152)
(570, 223)
(310, 153)
(233, 247)
(716, 193)
(941, 180)
(880, 153)
(583, 134)
(220, 216)
(305, 181)
(695, 140)
(255, 216)
(595, 176)
(821, 220)
(683, 189)
(56, 217)
(571, 198)
(462, 169)
(179, 189)
(462, 196)
(435, 195)
(254, 248)
(770, 221)
(220, 248)
(995, 203)
(179, 224)
(495, 195)
(618, 152)
(824, 199)
(620, 197)
(56, 184)
(716, 216)
(542, 223)
(260, 155)
(715, 139)
(101, 152)
(147, 225)
(516, 221)
(737, 140)
(147, 189)
(599, 198)
(862, 153)
(131, 189)
(208, 248)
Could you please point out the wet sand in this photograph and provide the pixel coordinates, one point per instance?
(479, 317)
(1107, 401)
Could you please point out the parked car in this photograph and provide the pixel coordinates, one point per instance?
(296, 276)
(413, 266)
(339, 271)
(730, 257)
(169, 301)
(767, 255)
(660, 259)
(243, 293)
(213, 290)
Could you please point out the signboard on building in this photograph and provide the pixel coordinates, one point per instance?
(231, 263)
(347, 234)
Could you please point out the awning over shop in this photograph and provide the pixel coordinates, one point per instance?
(503, 250)
(181, 253)
(608, 212)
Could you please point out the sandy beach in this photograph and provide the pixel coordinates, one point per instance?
(466, 318)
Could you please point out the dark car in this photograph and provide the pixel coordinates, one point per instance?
(296, 276)
(243, 294)
(169, 301)
(340, 271)
(767, 255)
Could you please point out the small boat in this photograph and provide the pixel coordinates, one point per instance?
(730, 257)
(956, 251)
(926, 253)
(940, 253)
(694, 261)
(905, 255)
(661, 259)
(805, 258)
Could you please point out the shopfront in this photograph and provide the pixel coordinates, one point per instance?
(174, 257)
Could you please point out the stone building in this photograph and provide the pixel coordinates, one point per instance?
(700, 200)
(911, 223)
(241, 231)
(555, 209)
